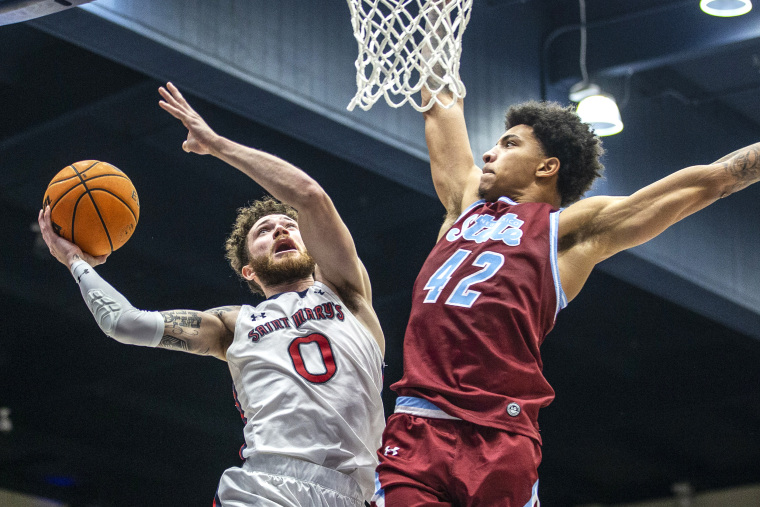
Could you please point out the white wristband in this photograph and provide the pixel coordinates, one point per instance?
(114, 314)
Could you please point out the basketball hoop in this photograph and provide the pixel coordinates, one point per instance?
(405, 45)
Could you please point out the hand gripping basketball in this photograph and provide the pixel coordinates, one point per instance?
(63, 250)
(94, 205)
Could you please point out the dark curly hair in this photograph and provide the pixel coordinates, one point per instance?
(236, 245)
(562, 134)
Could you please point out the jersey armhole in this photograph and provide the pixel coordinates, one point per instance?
(553, 255)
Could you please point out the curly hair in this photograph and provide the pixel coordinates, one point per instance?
(562, 134)
(236, 245)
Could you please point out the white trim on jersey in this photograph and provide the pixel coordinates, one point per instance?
(421, 407)
(553, 248)
(471, 206)
(534, 501)
(507, 200)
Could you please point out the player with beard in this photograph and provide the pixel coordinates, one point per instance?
(306, 363)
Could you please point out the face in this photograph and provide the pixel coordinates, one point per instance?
(278, 254)
(510, 166)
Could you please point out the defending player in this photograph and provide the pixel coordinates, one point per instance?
(306, 363)
(508, 258)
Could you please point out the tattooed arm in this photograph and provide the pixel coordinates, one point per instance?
(206, 333)
(596, 228)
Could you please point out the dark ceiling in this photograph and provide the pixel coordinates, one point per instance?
(649, 394)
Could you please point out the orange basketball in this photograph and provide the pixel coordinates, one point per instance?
(94, 205)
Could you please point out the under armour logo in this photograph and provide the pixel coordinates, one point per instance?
(261, 315)
(392, 450)
(83, 273)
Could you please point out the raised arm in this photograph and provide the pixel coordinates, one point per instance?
(325, 235)
(205, 333)
(455, 175)
(598, 227)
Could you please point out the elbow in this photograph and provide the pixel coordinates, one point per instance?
(312, 196)
(725, 182)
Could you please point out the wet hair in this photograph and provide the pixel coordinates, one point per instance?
(562, 134)
(236, 245)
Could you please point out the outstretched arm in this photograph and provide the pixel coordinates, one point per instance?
(598, 227)
(455, 175)
(326, 236)
(205, 333)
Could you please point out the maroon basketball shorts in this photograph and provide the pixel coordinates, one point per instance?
(430, 461)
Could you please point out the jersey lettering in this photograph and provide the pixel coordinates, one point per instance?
(441, 277)
(480, 228)
(491, 262)
(313, 349)
(462, 295)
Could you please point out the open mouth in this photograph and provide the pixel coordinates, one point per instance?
(285, 246)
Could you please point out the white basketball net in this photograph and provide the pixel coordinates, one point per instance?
(405, 45)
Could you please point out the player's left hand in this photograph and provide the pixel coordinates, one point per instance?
(63, 250)
(199, 134)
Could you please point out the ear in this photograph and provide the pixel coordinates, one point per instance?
(248, 273)
(548, 168)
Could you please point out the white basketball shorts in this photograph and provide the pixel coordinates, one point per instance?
(269, 480)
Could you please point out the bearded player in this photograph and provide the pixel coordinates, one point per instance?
(306, 363)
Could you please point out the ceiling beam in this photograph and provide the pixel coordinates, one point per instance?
(642, 40)
(234, 94)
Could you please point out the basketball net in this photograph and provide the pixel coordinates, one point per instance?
(405, 45)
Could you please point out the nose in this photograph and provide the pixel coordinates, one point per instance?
(488, 156)
(279, 230)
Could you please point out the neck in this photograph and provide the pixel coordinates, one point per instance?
(540, 192)
(294, 286)
(554, 200)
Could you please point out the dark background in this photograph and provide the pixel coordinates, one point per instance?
(649, 392)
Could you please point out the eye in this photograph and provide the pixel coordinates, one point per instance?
(262, 231)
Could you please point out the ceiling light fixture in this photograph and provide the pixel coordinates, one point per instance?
(595, 107)
(726, 8)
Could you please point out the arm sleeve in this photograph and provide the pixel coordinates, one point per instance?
(114, 314)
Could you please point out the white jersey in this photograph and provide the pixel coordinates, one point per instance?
(308, 378)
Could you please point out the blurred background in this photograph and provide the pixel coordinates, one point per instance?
(655, 364)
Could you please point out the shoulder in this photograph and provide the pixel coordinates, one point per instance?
(582, 215)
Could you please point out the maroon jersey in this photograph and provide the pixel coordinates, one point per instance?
(482, 304)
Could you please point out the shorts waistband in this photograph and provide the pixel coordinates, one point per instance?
(421, 407)
(305, 471)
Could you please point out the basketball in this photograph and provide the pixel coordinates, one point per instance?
(94, 205)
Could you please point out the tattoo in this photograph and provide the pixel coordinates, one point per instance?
(182, 318)
(744, 166)
(172, 342)
(180, 326)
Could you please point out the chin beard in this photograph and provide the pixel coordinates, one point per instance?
(289, 269)
(482, 193)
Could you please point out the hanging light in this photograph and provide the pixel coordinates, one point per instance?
(601, 112)
(726, 8)
(597, 108)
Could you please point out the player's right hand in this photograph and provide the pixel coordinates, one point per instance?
(63, 250)
(199, 135)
